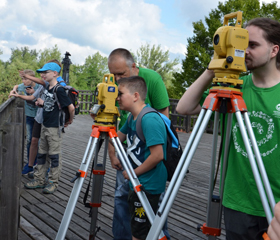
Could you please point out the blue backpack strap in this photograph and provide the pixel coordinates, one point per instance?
(175, 142)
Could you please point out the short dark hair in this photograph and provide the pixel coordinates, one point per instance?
(271, 30)
(124, 53)
(135, 84)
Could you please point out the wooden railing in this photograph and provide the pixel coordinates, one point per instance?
(12, 129)
(183, 123)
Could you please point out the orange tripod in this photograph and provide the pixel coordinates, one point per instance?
(101, 133)
(221, 100)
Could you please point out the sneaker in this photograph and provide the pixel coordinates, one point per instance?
(34, 184)
(31, 175)
(50, 188)
(26, 169)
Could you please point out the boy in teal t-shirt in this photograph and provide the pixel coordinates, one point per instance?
(146, 158)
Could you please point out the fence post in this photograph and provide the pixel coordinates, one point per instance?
(11, 155)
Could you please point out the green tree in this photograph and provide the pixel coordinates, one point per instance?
(48, 54)
(157, 59)
(200, 46)
(22, 58)
(91, 72)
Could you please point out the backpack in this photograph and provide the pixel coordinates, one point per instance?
(173, 150)
(73, 95)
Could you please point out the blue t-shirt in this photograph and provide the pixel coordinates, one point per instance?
(154, 130)
(30, 107)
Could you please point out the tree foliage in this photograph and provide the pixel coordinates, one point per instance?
(22, 58)
(91, 72)
(200, 46)
(155, 58)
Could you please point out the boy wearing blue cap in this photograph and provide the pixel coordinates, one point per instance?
(36, 131)
(50, 143)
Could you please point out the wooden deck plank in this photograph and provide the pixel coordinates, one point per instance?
(41, 213)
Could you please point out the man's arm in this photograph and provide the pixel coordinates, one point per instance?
(71, 110)
(115, 162)
(154, 158)
(164, 111)
(189, 102)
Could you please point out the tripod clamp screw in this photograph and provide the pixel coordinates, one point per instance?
(198, 228)
(78, 174)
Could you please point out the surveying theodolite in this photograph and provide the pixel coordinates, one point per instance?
(230, 43)
(104, 127)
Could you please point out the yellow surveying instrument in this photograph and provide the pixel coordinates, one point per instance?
(106, 110)
(104, 127)
(230, 43)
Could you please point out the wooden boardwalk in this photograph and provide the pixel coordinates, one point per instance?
(41, 214)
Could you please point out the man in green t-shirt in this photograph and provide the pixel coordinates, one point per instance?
(243, 211)
(121, 64)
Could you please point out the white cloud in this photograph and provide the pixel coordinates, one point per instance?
(87, 26)
(83, 27)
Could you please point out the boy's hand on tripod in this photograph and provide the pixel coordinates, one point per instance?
(125, 175)
(115, 162)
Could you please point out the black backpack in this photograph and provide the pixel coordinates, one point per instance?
(173, 150)
(73, 95)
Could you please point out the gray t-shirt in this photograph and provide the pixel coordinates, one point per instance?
(39, 94)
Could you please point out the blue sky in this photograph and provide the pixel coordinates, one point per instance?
(83, 27)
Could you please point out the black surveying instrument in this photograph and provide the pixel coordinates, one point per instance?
(104, 127)
(230, 43)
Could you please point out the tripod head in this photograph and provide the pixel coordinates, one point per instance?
(106, 110)
(230, 43)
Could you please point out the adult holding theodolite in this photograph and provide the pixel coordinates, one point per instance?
(121, 64)
(243, 211)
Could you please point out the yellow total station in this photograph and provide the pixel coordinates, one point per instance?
(106, 110)
(230, 43)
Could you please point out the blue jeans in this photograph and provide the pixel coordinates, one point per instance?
(29, 127)
(121, 218)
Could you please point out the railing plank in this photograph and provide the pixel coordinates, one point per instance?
(183, 123)
(12, 124)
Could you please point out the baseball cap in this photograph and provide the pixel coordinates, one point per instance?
(49, 66)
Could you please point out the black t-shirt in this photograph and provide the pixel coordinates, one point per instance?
(51, 110)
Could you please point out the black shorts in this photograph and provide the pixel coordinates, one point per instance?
(36, 131)
(243, 226)
(139, 221)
